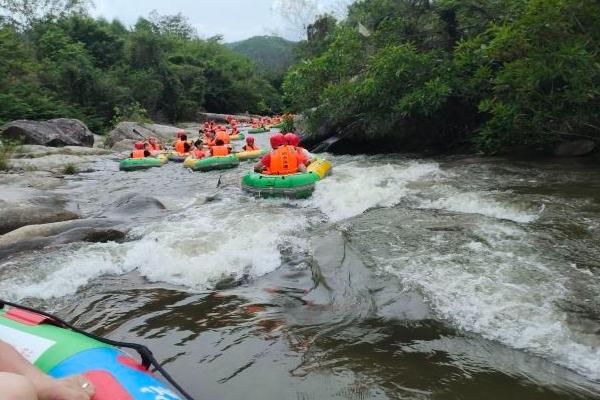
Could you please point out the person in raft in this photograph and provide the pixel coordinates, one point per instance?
(219, 149)
(234, 131)
(209, 138)
(21, 380)
(182, 146)
(294, 140)
(283, 160)
(139, 151)
(198, 151)
(154, 145)
(180, 133)
(222, 135)
(250, 146)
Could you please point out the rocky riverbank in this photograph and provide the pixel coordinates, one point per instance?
(36, 207)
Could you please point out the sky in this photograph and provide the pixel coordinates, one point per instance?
(234, 19)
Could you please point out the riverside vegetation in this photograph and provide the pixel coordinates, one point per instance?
(67, 64)
(489, 75)
(417, 74)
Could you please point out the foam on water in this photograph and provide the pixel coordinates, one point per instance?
(65, 273)
(481, 203)
(355, 187)
(195, 249)
(206, 248)
(506, 292)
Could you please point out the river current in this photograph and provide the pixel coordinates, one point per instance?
(400, 278)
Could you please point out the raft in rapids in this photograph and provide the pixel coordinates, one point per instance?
(239, 136)
(212, 163)
(138, 164)
(277, 126)
(258, 130)
(295, 186)
(61, 352)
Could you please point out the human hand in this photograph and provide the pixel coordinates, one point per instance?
(71, 388)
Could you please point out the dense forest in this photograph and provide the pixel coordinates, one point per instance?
(67, 64)
(272, 54)
(392, 75)
(419, 74)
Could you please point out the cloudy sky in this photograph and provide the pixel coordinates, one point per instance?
(234, 19)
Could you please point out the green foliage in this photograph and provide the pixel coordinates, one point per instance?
(7, 148)
(288, 124)
(70, 169)
(497, 72)
(133, 112)
(68, 64)
(272, 53)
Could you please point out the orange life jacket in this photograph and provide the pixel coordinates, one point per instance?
(180, 146)
(224, 136)
(219, 151)
(138, 154)
(250, 148)
(284, 161)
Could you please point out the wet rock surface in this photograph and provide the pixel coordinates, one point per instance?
(54, 133)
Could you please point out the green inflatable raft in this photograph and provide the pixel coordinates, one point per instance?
(212, 163)
(138, 164)
(239, 136)
(296, 186)
(258, 130)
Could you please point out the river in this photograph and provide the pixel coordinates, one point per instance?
(400, 278)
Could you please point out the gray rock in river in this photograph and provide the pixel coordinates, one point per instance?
(133, 131)
(37, 236)
(574, 148)
(43, 158)
(136, 204)
(54, 133)
(15, 216)
(37, 151)
(204, 116)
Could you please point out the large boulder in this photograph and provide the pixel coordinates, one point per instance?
(129, 132)
(12, 218)
(54, 133)
(57, 163)
(574, 148)
(37, 151)
(33, 237)
(204, 116)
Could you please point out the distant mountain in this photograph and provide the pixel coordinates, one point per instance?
(273, 53)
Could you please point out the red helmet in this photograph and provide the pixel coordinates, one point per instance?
(277, 140)
(180, 132)
(250, 139)
(139, 145)
(292, 139)
(151, 139)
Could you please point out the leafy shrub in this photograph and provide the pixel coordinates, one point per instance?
(70, 169)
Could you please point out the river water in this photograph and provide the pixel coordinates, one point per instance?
(401, 278)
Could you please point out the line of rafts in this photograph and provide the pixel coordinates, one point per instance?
(290, 173)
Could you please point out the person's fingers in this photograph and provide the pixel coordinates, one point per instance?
(81, 385)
